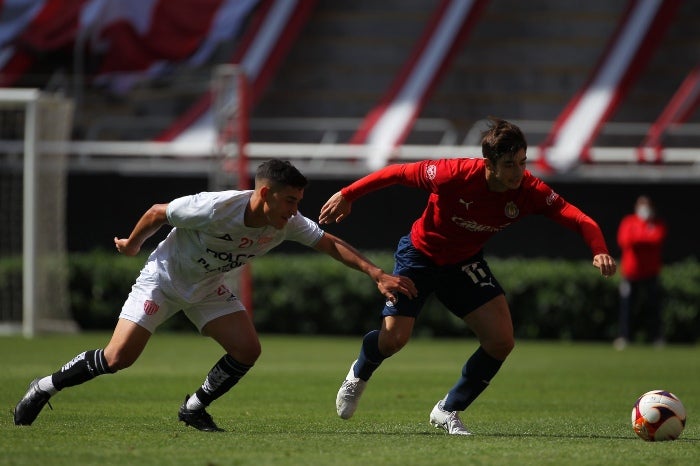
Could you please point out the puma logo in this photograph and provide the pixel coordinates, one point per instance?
(466, 204)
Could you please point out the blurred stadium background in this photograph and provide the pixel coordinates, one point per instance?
(606, 91)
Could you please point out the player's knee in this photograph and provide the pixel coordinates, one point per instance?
(391, 343)
(508, 346)
(254, 353)
(499, 349)
(118, 360)
(247, 354)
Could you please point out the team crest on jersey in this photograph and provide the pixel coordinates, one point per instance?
(552, 197)
(150, 307)
(431, 171)
(511, 210)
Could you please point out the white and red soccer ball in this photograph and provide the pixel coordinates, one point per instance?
(658, 415)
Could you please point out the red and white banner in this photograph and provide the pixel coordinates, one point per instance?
(388, 124)
(31, 27)
(679, 108)
(130, 39)
(266, 42)
(639, 32)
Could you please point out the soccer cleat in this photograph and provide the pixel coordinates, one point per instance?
(449, 421)
(31, 404)
(197, 418)
(349, 394)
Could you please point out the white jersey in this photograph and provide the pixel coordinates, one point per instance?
(210, 238)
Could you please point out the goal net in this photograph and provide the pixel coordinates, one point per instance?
(33, 265)
(230, 92)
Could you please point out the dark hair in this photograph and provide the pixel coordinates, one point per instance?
(280, 172)
(501, 138)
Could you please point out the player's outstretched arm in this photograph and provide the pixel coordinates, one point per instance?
(339, 205)
(388, 285)
(148, 224)
(335, 209)
(606, 264)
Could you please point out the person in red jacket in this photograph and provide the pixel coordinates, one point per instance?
(641, 237)
(471, 199)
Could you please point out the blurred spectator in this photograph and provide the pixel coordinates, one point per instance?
(641, 236)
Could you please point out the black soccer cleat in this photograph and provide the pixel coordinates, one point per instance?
(197, 418)
(31, 404)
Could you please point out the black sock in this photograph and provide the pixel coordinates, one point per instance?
(85, 366)
(370, 358)
(476, 376)
(225, 374)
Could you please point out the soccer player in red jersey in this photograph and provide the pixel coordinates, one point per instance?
(471, 199)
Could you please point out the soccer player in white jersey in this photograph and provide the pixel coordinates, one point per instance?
(213, 233)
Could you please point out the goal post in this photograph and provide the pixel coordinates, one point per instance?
(230, 103)
(33, 179)
(230, 91)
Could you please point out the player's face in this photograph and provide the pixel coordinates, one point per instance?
(281, 205)
(508, 172)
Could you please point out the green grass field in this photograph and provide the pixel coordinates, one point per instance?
(551, 404)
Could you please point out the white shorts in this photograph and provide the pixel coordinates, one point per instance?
(151, 303)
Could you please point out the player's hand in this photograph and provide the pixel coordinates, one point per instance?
(606, 264)
(390, 285)
(335, 209)
(124, 246)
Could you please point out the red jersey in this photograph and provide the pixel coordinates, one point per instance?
(641, 242)
(462, 213)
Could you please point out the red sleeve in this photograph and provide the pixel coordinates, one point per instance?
(624, 239)
(574, 219)
(658, 234)
(405, 174)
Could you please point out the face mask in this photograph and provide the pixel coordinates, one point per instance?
(643, 212)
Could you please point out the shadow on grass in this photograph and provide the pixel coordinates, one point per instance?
(497, 435)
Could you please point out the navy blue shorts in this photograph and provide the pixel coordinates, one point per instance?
(461, 288)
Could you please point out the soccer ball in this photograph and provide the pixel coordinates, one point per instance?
(658, 415)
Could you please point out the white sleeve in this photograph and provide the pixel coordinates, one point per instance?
(193, 212)
(303, 230)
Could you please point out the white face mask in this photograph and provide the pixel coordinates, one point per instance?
(643, 212)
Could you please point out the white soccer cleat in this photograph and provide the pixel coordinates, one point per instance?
(349, 394)
(448, 421)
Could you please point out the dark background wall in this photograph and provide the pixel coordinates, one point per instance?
(102, 206)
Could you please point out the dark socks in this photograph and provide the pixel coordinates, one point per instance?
(225, 374)
(370, 358)
(85, 366)
(476, 376)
